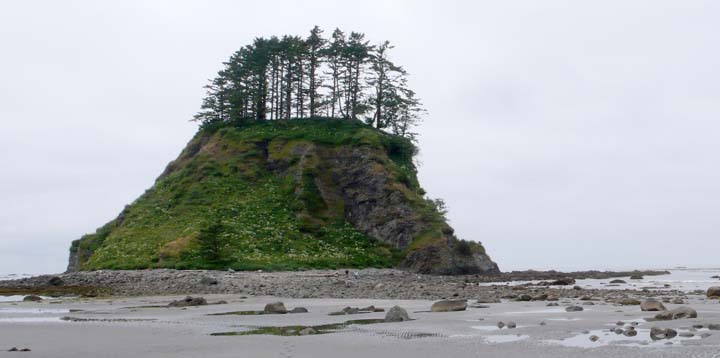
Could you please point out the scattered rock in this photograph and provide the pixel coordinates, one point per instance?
(397, 314)
(651, 305)
(275, 308)
(32, 298)
(449, 306)
(298, 310)
(677, 313)
(657, 334)
(307, 331)
(511, 325)
(209, 281)
(713, 292)
(189, 302)
(617, 281)
(573, 309)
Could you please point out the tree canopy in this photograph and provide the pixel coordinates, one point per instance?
(290, 77)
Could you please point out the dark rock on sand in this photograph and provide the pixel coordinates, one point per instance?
(511, 325)
(298, 310)
(630, 332)
(713, 292)
(677, 313)
(565, 281)
(32, 298)
(714, 327)
(501, 324)
(275, 308)
(189, 302)
(449, 306)
(617, 281)
(573, 309)
(636, 277)
(652, 304)
(594, 338)
(524, 297)
(397, 314)
(657, 334)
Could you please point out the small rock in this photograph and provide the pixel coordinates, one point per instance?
(307, 331)
(617, 281)
(298, 310)
(594, 338)
(543, 323)
(657, 334)
(620, 323)
(32, 298)
(511, 325)
(677, 301)
(524, 297)
(275, 308)
(636, 277)
(552, 304)
(629, 302)
(573, 309)
(686, 334)
(208, 281)
(577, 288)
(488, 300)
(630, 332)
(501, 324)
(714, 327)
(652, 304)
(618, 331)
(705, 335)
(449, 306)
(397, 314)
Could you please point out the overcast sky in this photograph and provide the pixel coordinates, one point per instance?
(561, 134)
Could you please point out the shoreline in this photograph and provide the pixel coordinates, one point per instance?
(366, 283)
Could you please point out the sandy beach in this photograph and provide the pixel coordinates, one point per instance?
(121, 326)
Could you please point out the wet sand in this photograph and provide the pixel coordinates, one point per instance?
(131, 327)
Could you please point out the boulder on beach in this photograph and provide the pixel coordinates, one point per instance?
(524, 297)
(636, 277)
(677, 313)
(652, 304)
(573, 309)
(397, 314)
(565, 281)
(488, 300)
(189, 302)
(32, 298)
(713, 292)
(714, 327)
(307, 331)
(449, 306)
(298, 310)
(617, 281)
(275, 308)
(657, 334)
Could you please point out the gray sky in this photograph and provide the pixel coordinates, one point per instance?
(562, 134)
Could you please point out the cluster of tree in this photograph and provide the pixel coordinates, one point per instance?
(291, 77)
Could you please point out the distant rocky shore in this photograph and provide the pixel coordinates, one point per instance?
(369, 283)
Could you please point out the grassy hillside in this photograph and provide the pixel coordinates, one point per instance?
(219, 205)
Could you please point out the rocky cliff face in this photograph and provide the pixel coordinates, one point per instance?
(345, 194)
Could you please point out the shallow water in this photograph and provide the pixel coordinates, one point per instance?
(643, 339)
